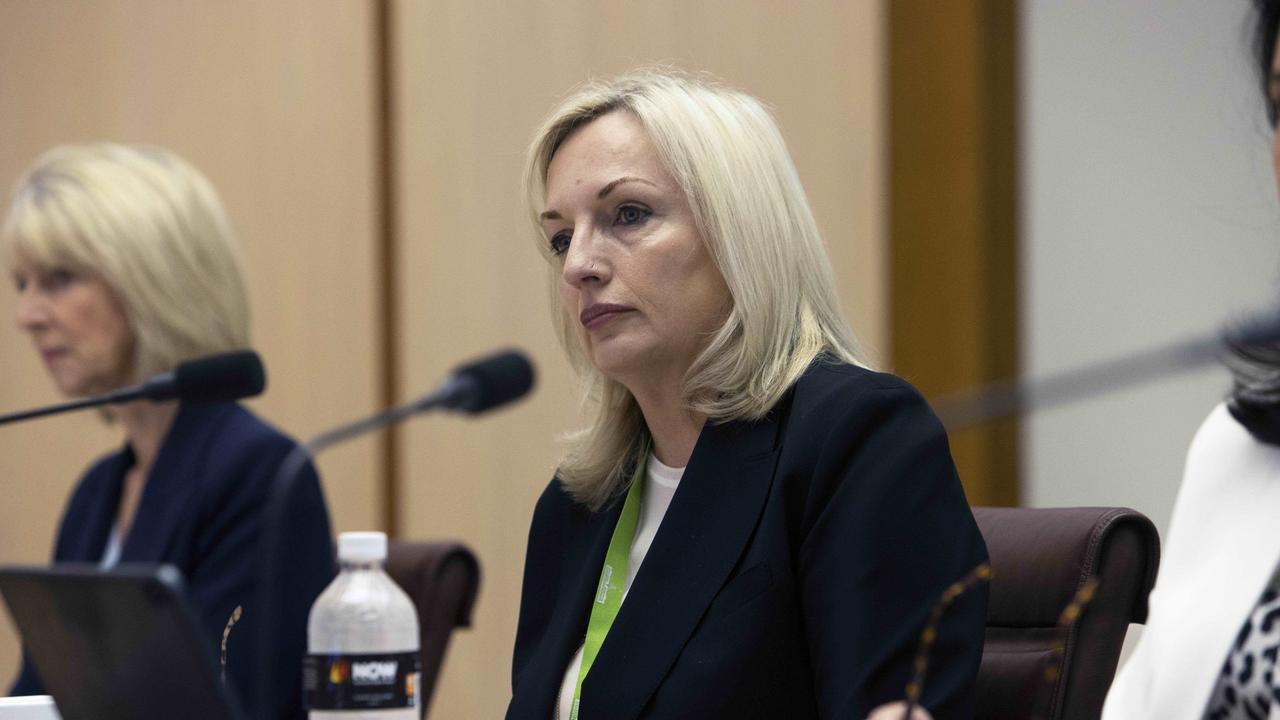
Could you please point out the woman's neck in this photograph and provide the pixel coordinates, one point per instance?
(145, 424)
(672, 425)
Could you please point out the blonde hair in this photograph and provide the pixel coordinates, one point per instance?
(726, 152)
(152, 228)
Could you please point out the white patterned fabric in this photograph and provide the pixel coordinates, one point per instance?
(1217, 559)
(1247, 684)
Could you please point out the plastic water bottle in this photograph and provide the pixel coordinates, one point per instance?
(362, 640)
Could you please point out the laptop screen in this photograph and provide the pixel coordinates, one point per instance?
(116, 644)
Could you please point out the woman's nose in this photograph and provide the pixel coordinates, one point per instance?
(585, 262)
(32, 312)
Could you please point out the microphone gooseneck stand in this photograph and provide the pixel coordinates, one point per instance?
(228, 376)
(119, 396)
(1005, 398)
(478, 387)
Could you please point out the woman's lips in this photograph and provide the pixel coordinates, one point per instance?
(52, 356)
(595, 316)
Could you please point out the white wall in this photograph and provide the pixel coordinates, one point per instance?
(1149, 212)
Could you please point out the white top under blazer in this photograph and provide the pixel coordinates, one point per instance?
(654, 501)
(1223, 546)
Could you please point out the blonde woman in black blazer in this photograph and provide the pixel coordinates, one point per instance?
(753, 524)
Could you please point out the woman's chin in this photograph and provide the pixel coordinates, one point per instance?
(71, 387)
(79, 387)
(616, 361)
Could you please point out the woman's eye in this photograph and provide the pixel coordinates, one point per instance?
(58, 278)
(633, 214)
(559, 243)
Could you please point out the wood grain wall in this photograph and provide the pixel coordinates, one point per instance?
(274, 102)
(279, 104)
(953, 216)
(474, 78)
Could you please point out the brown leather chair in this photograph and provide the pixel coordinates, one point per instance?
(1041, 557)
(442, 578)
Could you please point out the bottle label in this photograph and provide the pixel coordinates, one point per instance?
(361, 681)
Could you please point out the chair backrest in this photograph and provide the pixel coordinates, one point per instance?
(442, 579)
(1041, 558)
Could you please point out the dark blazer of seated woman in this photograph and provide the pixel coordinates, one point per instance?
(791, 576)
(201, 511)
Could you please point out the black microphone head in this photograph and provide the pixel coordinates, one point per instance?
(1259, 330)
(216, 378)
(491, 382)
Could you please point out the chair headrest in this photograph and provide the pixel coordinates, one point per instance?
(1041, 556)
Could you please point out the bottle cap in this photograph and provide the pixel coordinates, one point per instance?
(362, 546)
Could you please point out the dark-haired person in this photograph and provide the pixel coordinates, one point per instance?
(1209, 649)
(124, 265)
(753, 524)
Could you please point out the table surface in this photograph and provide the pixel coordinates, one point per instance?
(28, 707)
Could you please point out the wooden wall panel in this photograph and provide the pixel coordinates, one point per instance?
(953, 216)
(274, 102)
(472, 80)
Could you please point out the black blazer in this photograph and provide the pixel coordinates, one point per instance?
(791, 576)
(201, 510)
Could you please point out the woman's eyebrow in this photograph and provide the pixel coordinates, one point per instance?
(627, 179)
(604, 191)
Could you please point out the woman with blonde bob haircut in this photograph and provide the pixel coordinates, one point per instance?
(152, 228)
(779, 519)
(125, 266)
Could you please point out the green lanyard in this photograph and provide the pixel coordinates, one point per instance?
(613, 577)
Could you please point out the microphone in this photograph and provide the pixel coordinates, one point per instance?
(215, 378)
(482, 385)
(1004, 398)
(471, 389)
(228, 376)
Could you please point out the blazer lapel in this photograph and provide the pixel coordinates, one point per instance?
(584, 556)
(704, 533)
(173, 479)
(86, 543)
